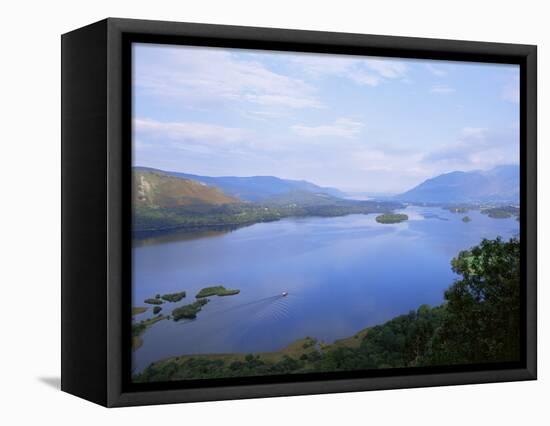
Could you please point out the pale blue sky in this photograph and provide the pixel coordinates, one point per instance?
(355, 123)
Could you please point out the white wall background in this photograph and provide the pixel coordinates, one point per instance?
(30, 210)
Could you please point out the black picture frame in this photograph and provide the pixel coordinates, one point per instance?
(96, 209)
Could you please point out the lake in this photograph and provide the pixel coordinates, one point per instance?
(342, 274)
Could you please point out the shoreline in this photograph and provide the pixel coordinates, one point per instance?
(224, 227)
(304, 345)
(143, 234)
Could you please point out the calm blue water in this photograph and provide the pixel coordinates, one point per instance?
(342, 274)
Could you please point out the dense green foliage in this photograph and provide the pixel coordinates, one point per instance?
(478, 322)
(391, 218)
(483, 308)
(204, 368)
(155, 301)
(173, 297)
(218, 290)
(238, 214)
(188, 311)
(157, 309)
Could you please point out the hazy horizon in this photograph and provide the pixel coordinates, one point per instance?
(359, 124)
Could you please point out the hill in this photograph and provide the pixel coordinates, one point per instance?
(165, 201)
(500, 184)
(253, 188)
(158, 190)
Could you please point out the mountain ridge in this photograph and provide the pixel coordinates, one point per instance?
(252, 188)
(499, 184)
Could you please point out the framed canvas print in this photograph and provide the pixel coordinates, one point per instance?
(252, 212)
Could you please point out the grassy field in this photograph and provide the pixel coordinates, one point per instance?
(349, 342)
(138, 310)
(296, 349)
(301, 356)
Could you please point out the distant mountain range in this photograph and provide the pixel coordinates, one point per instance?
(168, 200)
(500, 184)
(158, 188)
(254, 188)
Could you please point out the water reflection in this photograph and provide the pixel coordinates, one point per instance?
(147, 238)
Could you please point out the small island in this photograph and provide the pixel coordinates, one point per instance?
(156, 310)
(188, 311)
(218, 290)
(505, 212)
(173, 297)
(387, 218)
(155, 301)
(466, 219)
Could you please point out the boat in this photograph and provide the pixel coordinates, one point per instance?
(284, 294)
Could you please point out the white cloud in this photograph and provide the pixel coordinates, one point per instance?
(476, 148)
(478, 133)
(363, 78)
(388, 68)
(438, 72)
(342, 128)
(284, 101)
(441, 89)
(189, 132)
(208, 75)
(263, 114)
(362, 71)
(201, 101)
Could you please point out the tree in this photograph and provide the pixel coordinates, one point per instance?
(482, 321)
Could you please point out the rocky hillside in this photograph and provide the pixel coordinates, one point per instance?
(158, 190)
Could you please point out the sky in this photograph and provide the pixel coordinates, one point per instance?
(357, 123)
